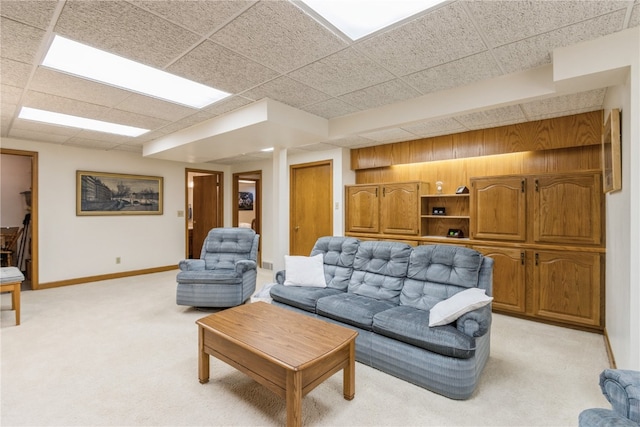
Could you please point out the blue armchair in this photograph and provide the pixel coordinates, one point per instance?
(622, 390)
(225, 275)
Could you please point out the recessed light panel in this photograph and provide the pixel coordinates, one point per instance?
(84, 61)
(359, 18)
(51, 117)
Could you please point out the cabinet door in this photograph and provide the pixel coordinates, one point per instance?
(567, 209)
(508, 278)
(362, 209)
(567, 287)
(399, 208)
(498, 208)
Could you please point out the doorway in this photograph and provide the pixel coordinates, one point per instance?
(247, 212)
(311, 214)
(28, 254)
(203, 206)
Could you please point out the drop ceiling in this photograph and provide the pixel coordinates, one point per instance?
(295, 82)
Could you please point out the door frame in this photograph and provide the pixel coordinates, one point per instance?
(35, 278)
(292, 192)
(187, 171)
(250, 175)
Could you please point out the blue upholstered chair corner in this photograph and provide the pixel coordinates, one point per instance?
(622, 389)
(225, 275)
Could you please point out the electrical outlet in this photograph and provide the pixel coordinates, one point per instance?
(118, 260)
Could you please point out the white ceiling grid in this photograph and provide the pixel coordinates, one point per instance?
(274, 49)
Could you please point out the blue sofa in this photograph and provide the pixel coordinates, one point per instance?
(622, 389)
(385, 291)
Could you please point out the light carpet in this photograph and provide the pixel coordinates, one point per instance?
(122, 353)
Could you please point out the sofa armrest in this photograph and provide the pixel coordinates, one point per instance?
(622, 389)
(191, 265)
(281, 276)
(245, 265)
(475, 323)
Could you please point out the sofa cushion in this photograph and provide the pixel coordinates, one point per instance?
(437, 272)
(379, 269)
(217, 276)
(304, 298)
(352, 309)
(304, 271)
(339, 253)
(411, 325)
(449, 310)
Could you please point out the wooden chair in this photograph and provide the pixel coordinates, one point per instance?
(11, 279)
(10, 236)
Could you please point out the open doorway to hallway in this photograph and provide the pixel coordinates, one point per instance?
(204, 207)
(20, 209)
(247, 212)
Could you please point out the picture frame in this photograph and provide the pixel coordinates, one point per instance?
(245, 201)
(612, 153)
(104, 193)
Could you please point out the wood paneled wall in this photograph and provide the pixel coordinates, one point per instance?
(571, 143)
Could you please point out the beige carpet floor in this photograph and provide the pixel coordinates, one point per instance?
(122, 353)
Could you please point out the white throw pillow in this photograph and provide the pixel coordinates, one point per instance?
(449, 310)
(304, 271)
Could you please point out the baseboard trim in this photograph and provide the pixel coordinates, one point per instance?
(109, 276)
(607, 346)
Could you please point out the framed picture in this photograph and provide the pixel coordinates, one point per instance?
(245, 201)
(611, 153)
(102, 193)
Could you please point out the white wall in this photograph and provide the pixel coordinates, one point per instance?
(71, 246)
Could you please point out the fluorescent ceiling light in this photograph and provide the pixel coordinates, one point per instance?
(78, 122)
(359, 18)
(266, 150)
(94, 64)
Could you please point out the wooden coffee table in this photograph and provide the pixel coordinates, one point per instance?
(287, 352)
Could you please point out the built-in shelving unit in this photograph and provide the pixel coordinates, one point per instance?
(455, 216)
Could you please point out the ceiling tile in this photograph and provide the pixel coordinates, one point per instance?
(132, 119)
(201, 16)
(353, 141)
(10, 94)
(129, 148)
(59, 104)
(23, 129)
(14, 73)
(64, 85)
(342, 72)
(379, 95)
(219, 67)
(19, 42)
(504, 22)
(389, 135)
(564, 105)
(435, 38)
(288, 91)
(435, 127)
(125, 30)
(91, 143)
(279, 35)
(634, 20)
(36, 13)
(537, 51)
(155, 107)
(330, 108)
(491, 118)
(456, 73)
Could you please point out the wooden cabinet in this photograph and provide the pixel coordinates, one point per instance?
(545, 234)
(567, 287)
(391, 208)
(557, 209)
(509, 277)
(455, 216)
(498, 208)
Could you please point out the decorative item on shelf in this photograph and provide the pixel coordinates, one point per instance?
(439, 187)
(462, 190)
(455, 232)
(438, 210)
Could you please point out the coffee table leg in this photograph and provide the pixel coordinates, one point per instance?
(203, 358)
(349, 374)
(294, 398)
